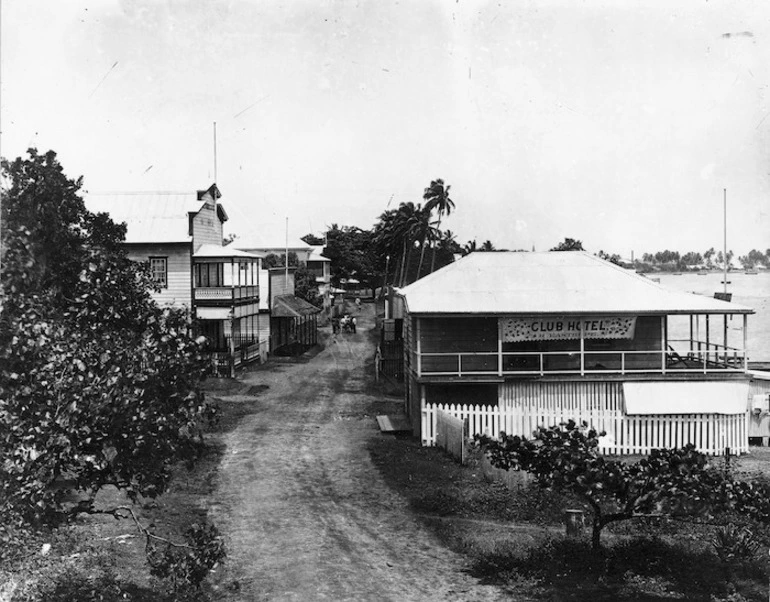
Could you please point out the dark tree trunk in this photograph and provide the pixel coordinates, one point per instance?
(596, 533)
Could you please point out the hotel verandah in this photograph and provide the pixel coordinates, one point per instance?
(552, 336)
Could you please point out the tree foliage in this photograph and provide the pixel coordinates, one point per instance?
(305, 285)
(668, 482)
(353, 255)
(98, 386)
(569, 244)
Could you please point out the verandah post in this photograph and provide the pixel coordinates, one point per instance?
(745, 355)
(582, 351)
(499, 346)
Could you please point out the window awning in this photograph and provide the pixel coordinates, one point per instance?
(686, 397)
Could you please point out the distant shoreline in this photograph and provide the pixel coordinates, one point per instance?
(703, 272)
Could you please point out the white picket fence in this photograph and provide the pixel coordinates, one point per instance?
(710, 433)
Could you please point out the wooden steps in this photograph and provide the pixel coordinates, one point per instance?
(394, 424)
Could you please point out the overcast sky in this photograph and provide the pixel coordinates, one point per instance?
(615, 123)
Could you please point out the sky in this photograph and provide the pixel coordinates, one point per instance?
(618, 124)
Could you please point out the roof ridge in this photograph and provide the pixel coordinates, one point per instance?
(138, 192)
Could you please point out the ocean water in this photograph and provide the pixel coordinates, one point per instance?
(752, 290)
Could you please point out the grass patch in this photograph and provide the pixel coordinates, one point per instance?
(515, 539)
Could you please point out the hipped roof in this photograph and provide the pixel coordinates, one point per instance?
(567, 282)
(209, 250)
(269, 241)
(289, 306)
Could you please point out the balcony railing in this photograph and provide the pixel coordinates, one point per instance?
(225, 294)
(702, 358)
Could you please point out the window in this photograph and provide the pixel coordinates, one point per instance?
(209, 274)
(159, 270)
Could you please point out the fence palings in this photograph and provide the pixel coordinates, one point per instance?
(709, 433)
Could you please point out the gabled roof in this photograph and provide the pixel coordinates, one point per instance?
(153, 217)
(289, 306)
(210, 250)
(567, 282)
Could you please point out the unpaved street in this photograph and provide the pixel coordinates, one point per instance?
(305, 511)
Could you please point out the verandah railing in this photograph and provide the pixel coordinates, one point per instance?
(703, 359)
(246, 349)
(710, 433)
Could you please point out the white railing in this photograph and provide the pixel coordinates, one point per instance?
(704, 359)
(710, 433)
(225, 293)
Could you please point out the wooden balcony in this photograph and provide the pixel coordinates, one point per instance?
(225, 295)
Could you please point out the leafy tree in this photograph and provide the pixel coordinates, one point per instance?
(671, 482)
(692, 258)
(569, 244)
(305, 286)
(614, 258)
(98, 385)
(354, 254)
(312, 239)
(274, 260)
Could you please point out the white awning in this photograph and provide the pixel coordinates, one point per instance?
(686, 397)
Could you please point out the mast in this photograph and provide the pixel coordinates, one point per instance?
(286, 258)
(724, 252)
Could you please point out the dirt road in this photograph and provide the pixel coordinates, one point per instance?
(304, 510)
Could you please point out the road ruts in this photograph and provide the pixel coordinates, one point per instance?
(304, 510)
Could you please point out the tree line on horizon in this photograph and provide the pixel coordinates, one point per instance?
(693, 260)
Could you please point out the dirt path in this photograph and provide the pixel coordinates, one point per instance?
(305, 512)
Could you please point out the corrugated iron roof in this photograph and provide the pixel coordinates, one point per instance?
(549, 283)
(149, 217)
(289, 306)
(269, 241)
(315, 255)
(210, 250)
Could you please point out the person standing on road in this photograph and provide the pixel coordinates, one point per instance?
(358, 303)
(353, 323)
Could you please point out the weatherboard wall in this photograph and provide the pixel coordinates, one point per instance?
(178, 291)
(206, 225)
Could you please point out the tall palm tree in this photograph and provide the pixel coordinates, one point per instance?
(427, 233)
(388, 241)
(436, 197)
(410, 220)
(487, 246)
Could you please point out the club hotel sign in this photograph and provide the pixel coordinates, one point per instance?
(556, 328)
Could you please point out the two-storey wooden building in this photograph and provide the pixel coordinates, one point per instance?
(180, 236)
(513, 340)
